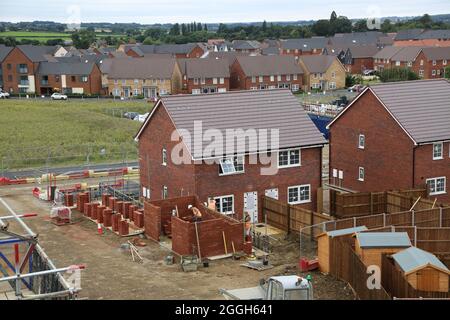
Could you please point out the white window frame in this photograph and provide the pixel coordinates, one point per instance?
(397, 63)
(442, 151)
(288, 77)
(435, 184)
(214, 80)
(298, 193)
(272, 78)
(409, 64)
(203, 80)
(222, 80)
(363, 144)
(235, 171)
(332, 85)
(165, 192)
(362, 176)
(434, 62)
(261, 79)
(196, 91)
(433, 72)
(196, 80)
(278, 77)
(295, 87)
(290, 165)
(221, 198)
(295, 77)
(421, 62)
(421, 72)
(253, 88)
(164, 156)
(444, 62)
(253, 79)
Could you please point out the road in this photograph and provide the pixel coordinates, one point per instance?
(65, 170)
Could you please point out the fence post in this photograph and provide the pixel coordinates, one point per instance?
(384, 219)
(354, 222)
(415, 236)
(440, 217)
(412, 217)
(371, 203)
(288, 219)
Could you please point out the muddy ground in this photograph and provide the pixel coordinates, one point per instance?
(111, 273)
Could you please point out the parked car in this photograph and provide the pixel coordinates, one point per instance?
(131, 115)
(356, 88)
(4, 95)
(141, 117)
(58, 96)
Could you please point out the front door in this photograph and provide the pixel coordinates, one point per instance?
(126, 92)
(251, 205)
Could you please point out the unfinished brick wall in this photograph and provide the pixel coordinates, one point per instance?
(152, 221)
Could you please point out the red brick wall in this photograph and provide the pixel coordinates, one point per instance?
(183, 237)
(197, 52)
(239, 80)
(387, 157)
(300, 52)
(208, 82)
(360, 64)
(426, 167)
(15, 57)
(178, 179)
(210, 184)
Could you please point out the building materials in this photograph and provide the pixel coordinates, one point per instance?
(224, 242)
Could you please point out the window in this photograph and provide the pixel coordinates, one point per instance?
(116, 81)
(444, 62)
(288, 77)
(434, 62)
(222, 90)
(295, 87)
(433, 72)
(23, 68)
(222, 80)
(9, 66)
(214, 80)
(164, 157)
(225, 204)
(136, 81)
(437, 185)
(272, 78)
(295, 76)
(253, 88)
(361, 173)
(397, 63)
(299, 194)
(195, 80)
(332, 85)
(437, 151)
(253, 79)
(136, 92)
(421, 62)
(124, 82)
(421, 73)
(84, 79)
(361, 141)
(289, 158)
(202, 80)
(409, 64)
(196, 91)
(261, 78)
(165, 192)
(279, 78)
(232, 165)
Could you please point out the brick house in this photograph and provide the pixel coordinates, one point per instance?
(68, 78)
(266, 72)
(188, 50)
(246, 46)
(205, 75)
(4, 51)
(128, 77)
(301, 47)
(235, 183)
(394, 136)
(399, 57)
(434, 60)
(423, 38)
(322, 72)
(20, 65)
(359, 58)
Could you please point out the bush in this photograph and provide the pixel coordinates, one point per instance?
(397, 74)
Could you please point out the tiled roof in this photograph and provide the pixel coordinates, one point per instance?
(269, 65)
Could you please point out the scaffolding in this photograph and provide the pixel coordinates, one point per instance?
(32, 275)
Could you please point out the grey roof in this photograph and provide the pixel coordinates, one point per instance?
(306, 44)
(422, 107)
(4, 51)
(414, 258)
(230, 56)
(410, 34)
(343, 232)
(271, 51)
(245, 45)
(269, 65)
(259, 109)
(37, 53)
(443, 34)
(318, 63)
(363, 51)
(356, 38)
(68, 68)
(407, 54)
(437, 53)
(163, 48)
(387, 52)
(383, 240)
(142, 68)
(204, 68)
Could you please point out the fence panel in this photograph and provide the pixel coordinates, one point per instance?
(427, 218)
(276, 213)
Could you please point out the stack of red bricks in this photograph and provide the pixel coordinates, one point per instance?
(82, 199)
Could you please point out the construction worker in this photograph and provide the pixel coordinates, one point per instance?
(196, 212)
(248, 225)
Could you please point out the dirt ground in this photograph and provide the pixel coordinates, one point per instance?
(111, 274)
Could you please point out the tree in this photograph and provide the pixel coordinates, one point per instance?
(387, 26)
(83, 39)
(426, 21)
(360, 26)
(333, 16)
(205, 27)
(321, 27)
(183, 29)
(340, 25)
(199, 27)
(175, 30)
(264, 26)
(447, 72)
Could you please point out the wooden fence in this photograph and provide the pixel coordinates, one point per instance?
(290, 217)
(346, 265)
(394, 282)
(346, 205)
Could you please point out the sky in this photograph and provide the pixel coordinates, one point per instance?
(209, 11)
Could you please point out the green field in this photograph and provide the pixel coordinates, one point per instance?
(44, 36)
(35, 133)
